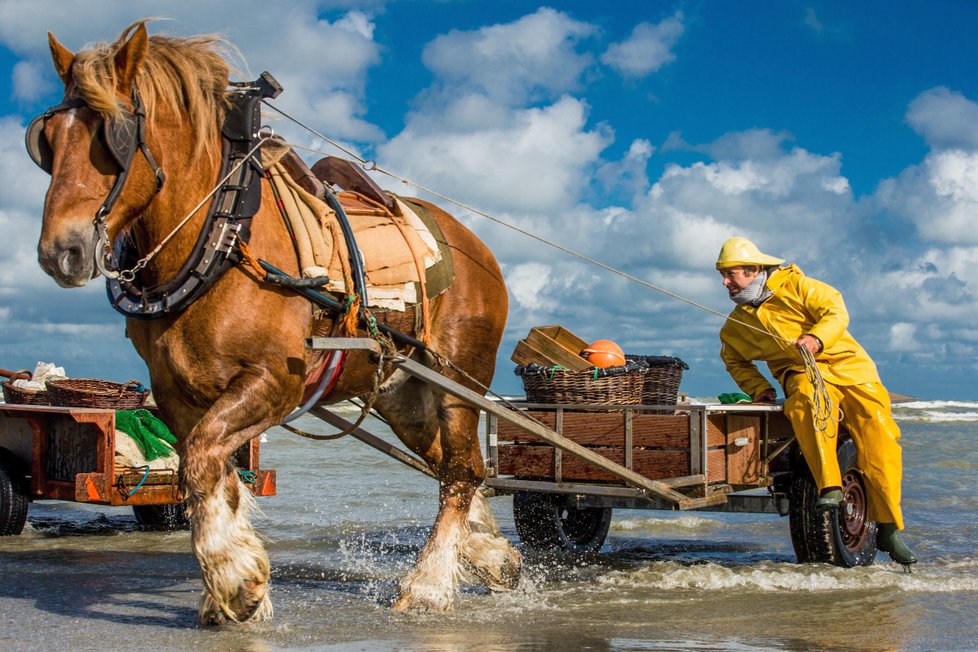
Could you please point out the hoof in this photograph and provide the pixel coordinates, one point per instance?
(250, 604)
(504, 576)
(417, 602)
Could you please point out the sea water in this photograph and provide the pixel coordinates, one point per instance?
(348, 523)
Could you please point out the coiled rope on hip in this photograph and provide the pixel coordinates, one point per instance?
(822, 400)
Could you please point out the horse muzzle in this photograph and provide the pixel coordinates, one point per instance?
(70, 258)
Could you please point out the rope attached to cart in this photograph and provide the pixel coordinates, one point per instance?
(823, 403)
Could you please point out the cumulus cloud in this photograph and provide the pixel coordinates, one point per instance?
(536, 159)
(647, 49)
(29, 81)
(323, 65)
(903, 337)
(939, 196)
(532, 58)
(945, 119)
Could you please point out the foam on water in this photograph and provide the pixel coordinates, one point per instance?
(686, 523)
(960, 577)
(930, 405)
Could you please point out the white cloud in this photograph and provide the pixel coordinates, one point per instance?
(537, 159)
(647, 49)
(29, 81)
(903, 337)
(322, 65)
(629, 174)
(939, 196)
(526, 282)
(946, 119)
(531, 58)
(793, 205)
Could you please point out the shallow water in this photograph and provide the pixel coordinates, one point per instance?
(348, 523)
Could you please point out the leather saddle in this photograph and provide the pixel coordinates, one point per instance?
(334, 171)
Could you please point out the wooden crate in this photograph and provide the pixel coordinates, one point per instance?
(549, 346)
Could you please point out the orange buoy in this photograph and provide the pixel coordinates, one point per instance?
(604, 353)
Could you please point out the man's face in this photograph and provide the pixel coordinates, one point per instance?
(736, 279)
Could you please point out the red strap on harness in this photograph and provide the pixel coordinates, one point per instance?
(313, 381)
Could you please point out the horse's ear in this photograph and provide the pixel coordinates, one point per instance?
(130, 56)
(63, 58)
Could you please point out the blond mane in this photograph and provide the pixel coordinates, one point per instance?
(187, 75)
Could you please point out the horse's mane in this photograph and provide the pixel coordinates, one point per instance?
(188, 75)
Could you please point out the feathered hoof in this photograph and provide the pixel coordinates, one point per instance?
(509, 576)
(250, 604)
(503, 574)
(415, 601)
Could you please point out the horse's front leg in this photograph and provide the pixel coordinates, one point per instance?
(232, 560)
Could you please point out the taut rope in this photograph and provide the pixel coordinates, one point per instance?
(822, 401)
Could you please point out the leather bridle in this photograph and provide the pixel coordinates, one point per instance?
(122, 135)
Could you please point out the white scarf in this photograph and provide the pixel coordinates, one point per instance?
(756, 291)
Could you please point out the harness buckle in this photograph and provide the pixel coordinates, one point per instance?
(227, 238)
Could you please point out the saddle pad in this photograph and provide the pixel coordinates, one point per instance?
(396, 247)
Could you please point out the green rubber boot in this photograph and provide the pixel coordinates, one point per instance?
(829, 499)
(889, 540)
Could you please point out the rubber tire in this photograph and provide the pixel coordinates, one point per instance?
(161, 517)
(851, 541)
(549, 522)
(13, 500)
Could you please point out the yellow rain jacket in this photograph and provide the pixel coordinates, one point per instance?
(798, 305)
(801, 305)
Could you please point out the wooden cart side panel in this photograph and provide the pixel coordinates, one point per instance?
(532, 461)
(743, 449)
(608, 429)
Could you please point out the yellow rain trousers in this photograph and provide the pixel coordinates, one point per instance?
(800, 305)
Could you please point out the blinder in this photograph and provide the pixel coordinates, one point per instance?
(121, 135)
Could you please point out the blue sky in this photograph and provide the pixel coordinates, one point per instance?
(840, 136)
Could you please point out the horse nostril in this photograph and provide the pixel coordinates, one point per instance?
(70, 260)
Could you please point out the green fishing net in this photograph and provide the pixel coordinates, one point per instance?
(148, 431)
(734, 397)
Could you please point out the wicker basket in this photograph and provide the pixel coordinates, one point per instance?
(555, 385)
(662, 378)
(13, 394)
(92, 392)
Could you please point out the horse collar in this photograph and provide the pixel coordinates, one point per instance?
(228, 221)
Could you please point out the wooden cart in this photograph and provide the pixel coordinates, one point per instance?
(568, 466)
(68, 453)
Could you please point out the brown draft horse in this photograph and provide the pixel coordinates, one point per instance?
(233, 364)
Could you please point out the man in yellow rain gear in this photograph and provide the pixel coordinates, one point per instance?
(779, 312)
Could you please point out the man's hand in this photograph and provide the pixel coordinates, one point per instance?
(809, 342)
(767, 396)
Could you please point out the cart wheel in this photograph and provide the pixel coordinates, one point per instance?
(13, 499)
(548, 521)
(849, 540)
(161, 517)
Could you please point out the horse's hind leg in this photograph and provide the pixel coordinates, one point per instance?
(444, 431)
(232, 560)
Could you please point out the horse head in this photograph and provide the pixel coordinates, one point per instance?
(87, 143)
(131, 108)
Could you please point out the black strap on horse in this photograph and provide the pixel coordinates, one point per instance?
(228, 219)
